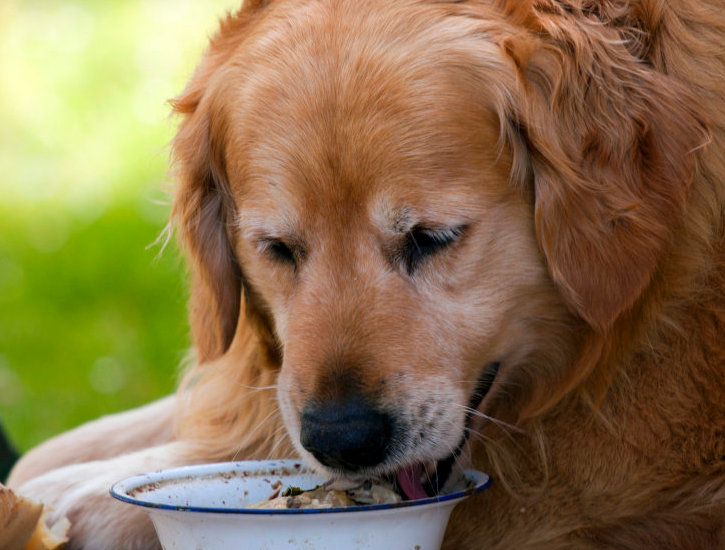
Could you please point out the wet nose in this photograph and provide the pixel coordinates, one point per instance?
(346, 435)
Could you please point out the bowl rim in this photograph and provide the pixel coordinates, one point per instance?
(120, 490)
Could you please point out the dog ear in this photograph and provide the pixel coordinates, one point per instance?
(610, 144)
(204, 212)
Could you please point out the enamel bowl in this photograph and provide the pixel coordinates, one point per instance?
(206, 507)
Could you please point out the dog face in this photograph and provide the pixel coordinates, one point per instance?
(389, 248)
(415, 231)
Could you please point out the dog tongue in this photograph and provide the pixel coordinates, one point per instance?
(409, 480)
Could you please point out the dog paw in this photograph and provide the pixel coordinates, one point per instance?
(80, 492)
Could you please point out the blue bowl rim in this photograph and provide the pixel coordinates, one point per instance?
(479, 480)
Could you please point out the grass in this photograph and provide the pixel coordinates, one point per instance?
(95, 326)
(91, 321)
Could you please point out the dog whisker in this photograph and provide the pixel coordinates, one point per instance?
(489, 441)
(241, 397)
(503, 426)
(254, 430)
(484, 439)
(255, 388)
(479, 414)
(279, 440)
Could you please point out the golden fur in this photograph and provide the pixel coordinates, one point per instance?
(580, 148)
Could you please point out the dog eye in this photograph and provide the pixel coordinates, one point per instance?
(422, 242)
(281, 252)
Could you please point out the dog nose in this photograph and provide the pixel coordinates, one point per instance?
(346, 435)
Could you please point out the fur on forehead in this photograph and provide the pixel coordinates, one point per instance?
(605, 187)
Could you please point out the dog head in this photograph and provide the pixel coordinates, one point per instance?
(424, 210)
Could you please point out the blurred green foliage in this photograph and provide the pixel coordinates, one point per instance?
(92, 318)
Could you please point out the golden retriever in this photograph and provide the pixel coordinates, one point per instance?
(429, 233)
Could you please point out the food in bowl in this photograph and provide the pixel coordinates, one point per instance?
(326, 496)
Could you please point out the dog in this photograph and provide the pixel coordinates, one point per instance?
(428, 234)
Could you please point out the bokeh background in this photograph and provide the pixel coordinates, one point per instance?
(92, 317)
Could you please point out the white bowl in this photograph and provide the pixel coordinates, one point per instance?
(206, 507)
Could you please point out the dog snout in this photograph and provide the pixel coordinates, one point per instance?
(348, 435)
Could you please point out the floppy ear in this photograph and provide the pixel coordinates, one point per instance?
(204, 211)
(611, 146)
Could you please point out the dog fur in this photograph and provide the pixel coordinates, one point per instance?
(578, 150)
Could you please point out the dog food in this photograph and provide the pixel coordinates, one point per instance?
(327, 496)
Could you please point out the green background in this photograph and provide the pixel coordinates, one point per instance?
(92, 313)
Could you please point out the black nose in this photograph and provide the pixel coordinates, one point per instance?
(346, 435)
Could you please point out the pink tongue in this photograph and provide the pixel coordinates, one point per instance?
(409, 481)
